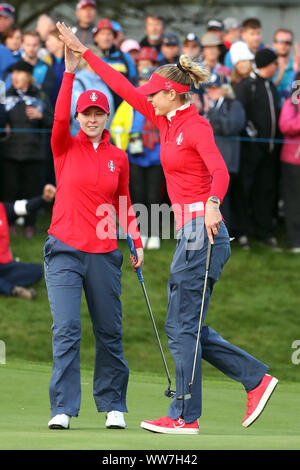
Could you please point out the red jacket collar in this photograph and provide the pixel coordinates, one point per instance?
(85, 139)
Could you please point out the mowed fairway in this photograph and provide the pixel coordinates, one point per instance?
(24, 413)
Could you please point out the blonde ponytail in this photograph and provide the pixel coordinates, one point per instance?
(188, 72)
(197, 72)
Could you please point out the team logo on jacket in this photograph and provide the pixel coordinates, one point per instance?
(111, 165)
(179, 139)
(94, 96)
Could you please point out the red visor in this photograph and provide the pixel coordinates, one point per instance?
(158, 83)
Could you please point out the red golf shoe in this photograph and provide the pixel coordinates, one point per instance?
(258, 398)
(166, 425)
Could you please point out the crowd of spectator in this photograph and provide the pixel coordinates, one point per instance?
(249, 101)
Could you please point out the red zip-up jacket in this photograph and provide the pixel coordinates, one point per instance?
(192, 164)
(91, 184)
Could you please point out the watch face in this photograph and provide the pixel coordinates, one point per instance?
(214, 199)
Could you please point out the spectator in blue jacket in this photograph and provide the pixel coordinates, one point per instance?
(57, 61)
(87, 79)
(252, 35)
(104, 38)
(13, 40)
(6, 59)
(282, 45)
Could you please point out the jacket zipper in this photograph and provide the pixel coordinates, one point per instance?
(273, 116)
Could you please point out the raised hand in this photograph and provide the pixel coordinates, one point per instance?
(72, 60)
(69, 38)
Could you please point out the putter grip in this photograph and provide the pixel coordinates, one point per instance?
(134, 253)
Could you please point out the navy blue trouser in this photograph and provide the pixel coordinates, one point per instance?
(19, 274)
(185, 289)
(67, 272)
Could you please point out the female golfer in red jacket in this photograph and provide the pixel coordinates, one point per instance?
(197, 180)
(81, 252)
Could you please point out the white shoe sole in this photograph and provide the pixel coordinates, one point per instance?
(262, 403)
(161, 430)
(115, 426)
(57, 426)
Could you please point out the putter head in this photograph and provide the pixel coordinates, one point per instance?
(170, 393)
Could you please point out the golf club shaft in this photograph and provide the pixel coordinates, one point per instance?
(208, 260)
(156, 332)
(141, 279)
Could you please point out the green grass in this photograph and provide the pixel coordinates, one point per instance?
(255, 305)
(24, 411)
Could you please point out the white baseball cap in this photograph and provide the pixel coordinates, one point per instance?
(240, 51)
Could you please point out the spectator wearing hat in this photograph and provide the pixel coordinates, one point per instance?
(119, 33)
(86, 15)
(232, 31)
(147, 57)
(135, 134)
(27, 108)
(154, 27)
(227, 118)
(132, 47)
(259, 159)
(191, 46)
(251, 34)
(7, 19)
(87, 79)
(104, 37)
(242, 60)
(170, 48)
(211, 44)
(217, 27)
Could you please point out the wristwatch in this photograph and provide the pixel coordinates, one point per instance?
(214, 199)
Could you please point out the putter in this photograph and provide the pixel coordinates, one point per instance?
(208, 261)
(168, 393)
